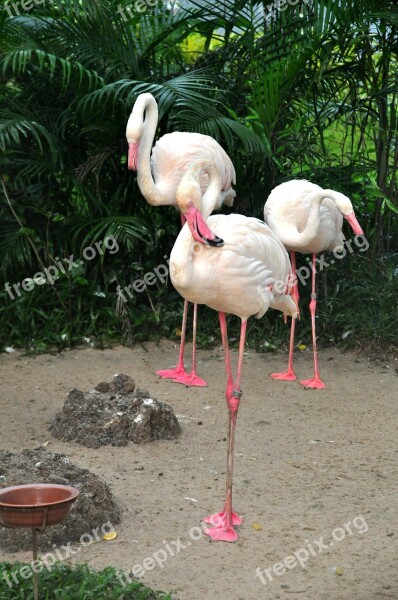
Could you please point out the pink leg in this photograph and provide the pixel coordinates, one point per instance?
(224, 521)
(178, 374)
(316, 381)
(179, 371)
(290, 375)
(192, 379)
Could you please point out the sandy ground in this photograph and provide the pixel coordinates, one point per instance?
(315, 473)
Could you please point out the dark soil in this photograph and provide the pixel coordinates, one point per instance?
(114, 413)
(93, 508)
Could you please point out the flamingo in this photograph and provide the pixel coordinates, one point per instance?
(233, 264)
(308, 219)
(158, 177)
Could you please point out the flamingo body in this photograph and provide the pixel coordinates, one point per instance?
(238, 278)
(287, 211)
(158, 175)
(233, 264)
(174, 152)
(308, 218)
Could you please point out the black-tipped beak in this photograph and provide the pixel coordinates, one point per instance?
(200, 230)
(218, 242)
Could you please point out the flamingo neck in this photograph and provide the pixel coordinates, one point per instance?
(144, 174)
(210, 199)
(182, 259)
(293, 238)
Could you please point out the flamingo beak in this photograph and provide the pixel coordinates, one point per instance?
(133, 156)
(355, 226)
(200, 230)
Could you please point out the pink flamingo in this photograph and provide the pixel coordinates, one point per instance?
(158, 177)
(308, 218)
(233, 264)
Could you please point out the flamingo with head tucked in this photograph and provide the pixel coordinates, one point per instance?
(233, 264)
(308, 218)
(158, 175)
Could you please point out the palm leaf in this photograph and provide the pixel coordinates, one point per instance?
(16, 129)
(125, 229)
(17, 62)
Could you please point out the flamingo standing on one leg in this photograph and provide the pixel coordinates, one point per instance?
(158, 177)
(233, 264)
(308, 218)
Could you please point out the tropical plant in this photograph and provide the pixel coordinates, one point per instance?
(71, 72)
(292, 89)
(73, 583)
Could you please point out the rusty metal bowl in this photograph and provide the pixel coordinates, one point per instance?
(35, 505)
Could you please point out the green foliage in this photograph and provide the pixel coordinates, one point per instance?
(308, 92)
(73, 583)
(361, 307)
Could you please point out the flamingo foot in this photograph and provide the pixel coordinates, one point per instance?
(191, 380)
(222, 533)
(314, 383)
(219, 519)
(175, 373)
(287, 376)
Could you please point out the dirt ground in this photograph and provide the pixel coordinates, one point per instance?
(315, 473)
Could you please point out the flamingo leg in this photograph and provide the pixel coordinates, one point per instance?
(192, 379)
(224, 521)
(316, 381)
(290, 375)
(179, 371)
(178, 374)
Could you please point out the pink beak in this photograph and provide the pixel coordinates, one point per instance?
(200, 230)
(355, 226)
(133, 156)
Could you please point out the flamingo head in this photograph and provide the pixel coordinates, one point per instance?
(345, 207)
(189, 200)
(352, 220)
(136, 125)
(199, 228)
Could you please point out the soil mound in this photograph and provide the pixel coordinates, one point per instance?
(114, 413)
(93, 508)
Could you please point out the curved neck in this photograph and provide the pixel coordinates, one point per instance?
(291, 235)
(182, 254)
(144, 173)
(210, 199)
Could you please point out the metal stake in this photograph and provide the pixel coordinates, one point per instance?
(35, 573)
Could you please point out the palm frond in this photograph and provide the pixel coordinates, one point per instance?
(19, 61)
(16, 129)
(221, 128)
(125, 229)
